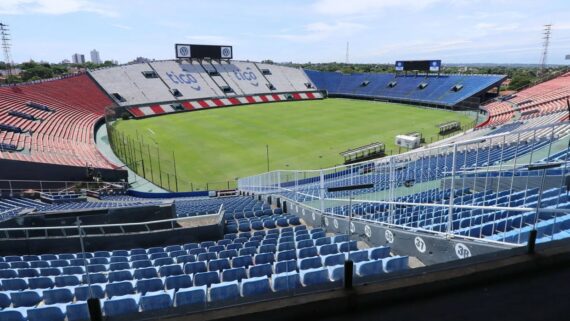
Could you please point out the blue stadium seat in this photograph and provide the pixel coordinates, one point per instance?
(286, 281)
(47, 313)
(263, 258)
(195, 267)
(314, 276)
(322, 240)
(206, 278)
(156, 300)
(117, 276)
(163, 261)
(307, 252)
(395, 263)
(286, 255)
(14, 314)
(218, 264)
(178, 253)
(119, 253)
(42, 282)
(121, 305)
(190, 296)
(177, 282)
(118, 259)
(95, 278)
(216, 248)
(377, 253)
(68, 270)
(234, 274)
(145, 273)
(27, 298)
(185, 258)
(234, 246)
(35, 264)
(242, 261)
(168, 270)
(60, 295)
(97, 268)
(358, 256)
(333, 259)
(255, 286)
(15, 284)
(66, 280)
(260, 270)
(119, 288)
(139, 264)
(328, 249)
(369, 268)
(4, 300)
(207, 256)
(247, 251)
(28, 273)
(267, 248)
(286, 246)
(8, 273)
(285, 266)
(310, 263)
(117, 266)
(149, 285)
(348, 246)
(58, 263)
(82, 293)
(227, 254)
(224, 291)
(189, 246)
(78, 311)
(158, 255)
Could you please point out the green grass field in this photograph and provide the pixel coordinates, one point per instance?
(220, 145)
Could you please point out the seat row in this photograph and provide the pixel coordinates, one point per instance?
(121, 298)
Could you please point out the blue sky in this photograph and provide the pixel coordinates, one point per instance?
(379, 31)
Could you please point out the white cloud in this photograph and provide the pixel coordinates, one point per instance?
(486, 26)
(124, 27)
(211, 39)
(352, 7)
(53, 7)
(321, 30)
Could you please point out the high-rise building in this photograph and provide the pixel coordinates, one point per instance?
(95, 58)
(78, 58)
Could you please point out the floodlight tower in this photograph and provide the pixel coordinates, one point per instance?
(545, 44)
(4, 35)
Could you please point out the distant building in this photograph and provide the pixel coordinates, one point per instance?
(78, 58)
(139, 60)
(65, 61)
(95, 58)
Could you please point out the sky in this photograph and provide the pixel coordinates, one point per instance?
(378, 31)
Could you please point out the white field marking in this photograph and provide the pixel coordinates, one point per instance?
(150, 130)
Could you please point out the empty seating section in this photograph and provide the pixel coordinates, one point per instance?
(132, 85)
(539, 100)
(426, 168)
(241, 265)
(73, 100)
(405, 88)
(502, 225)
(190, 79)
(161, 87)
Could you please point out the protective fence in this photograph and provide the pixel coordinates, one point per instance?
(497, 188)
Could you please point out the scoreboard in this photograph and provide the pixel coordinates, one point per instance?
(418, 65)
(203, 51)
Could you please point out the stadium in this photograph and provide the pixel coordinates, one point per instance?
(205, 187)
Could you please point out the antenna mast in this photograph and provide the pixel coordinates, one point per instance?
(545, 44)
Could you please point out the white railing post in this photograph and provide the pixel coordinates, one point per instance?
(322, 191)
(452, 191)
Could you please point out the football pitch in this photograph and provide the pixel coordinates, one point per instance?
(217, 146)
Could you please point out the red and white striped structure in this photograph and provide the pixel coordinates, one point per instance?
(160, 109)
